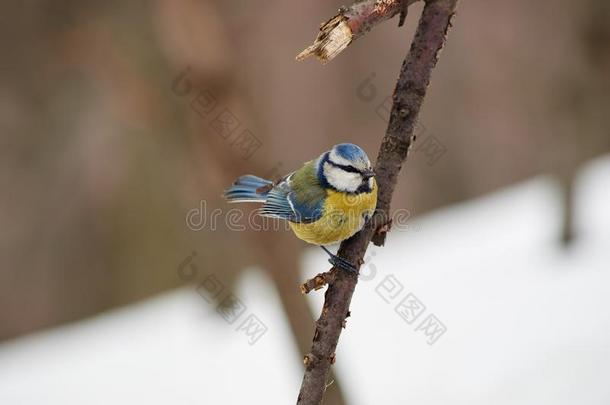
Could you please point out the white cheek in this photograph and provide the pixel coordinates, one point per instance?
(342, 180)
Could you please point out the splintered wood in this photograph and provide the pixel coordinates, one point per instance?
(334, 36)
(350, 23)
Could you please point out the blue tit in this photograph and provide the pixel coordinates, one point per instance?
(326, 201)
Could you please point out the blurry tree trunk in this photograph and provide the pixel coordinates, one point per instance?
(219, 165)
(581, 122)
(567, 195)
(298, 313)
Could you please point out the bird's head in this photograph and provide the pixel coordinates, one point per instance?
(347, 168)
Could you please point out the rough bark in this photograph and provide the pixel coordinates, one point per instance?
(408, 97)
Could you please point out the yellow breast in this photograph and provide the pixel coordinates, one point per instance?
(343, 215)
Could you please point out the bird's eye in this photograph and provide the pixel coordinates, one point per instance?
(345, 168)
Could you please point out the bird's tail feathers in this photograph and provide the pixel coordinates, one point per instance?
(249, 188)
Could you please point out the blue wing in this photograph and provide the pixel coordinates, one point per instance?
(282, 202)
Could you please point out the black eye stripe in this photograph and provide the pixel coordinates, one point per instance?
(347, 168)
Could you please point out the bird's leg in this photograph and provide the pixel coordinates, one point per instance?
(340, 262)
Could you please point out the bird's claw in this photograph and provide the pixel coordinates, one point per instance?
(342, 264)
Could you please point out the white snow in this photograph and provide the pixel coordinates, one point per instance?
(526, 321)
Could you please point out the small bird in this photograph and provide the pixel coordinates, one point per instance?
(326, 201)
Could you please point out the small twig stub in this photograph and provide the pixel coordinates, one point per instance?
(350, 23)
(319, 281)
(335, 35)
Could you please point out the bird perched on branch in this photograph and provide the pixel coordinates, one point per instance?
(326, 201)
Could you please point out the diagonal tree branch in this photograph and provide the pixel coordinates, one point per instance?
(407, 100)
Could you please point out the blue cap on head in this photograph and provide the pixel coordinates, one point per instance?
(351, 152)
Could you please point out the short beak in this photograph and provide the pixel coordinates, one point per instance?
(368, 173)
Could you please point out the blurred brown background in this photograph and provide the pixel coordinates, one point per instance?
(107, 114)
